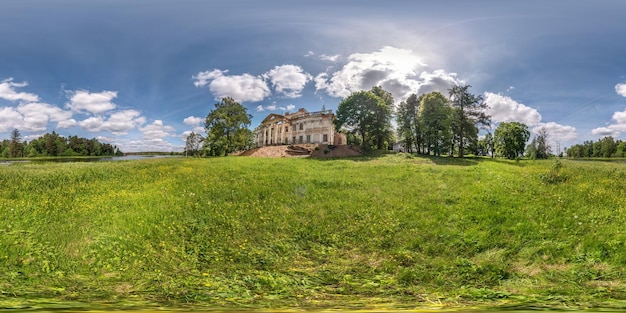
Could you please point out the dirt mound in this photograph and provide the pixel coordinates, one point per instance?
(303, 150)
(330, 151)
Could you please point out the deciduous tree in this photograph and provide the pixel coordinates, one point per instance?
(365, 114)
(434, 116)
(227, 128)
(510, 139)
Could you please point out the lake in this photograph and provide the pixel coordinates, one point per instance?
(91, 159)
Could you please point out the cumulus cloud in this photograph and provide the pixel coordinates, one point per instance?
(96, 103)
(398, 71)
(33, 117)
(557, 131)
(614, 129)
(157, 130)
(242, 88)
(9, 119)
(604, 131)
(37, 115)
(505, 109)
(118, 123)
(331, 58)
(274, 107)
(193, 120)
(620, 89)
(288, 80)
(7, 91)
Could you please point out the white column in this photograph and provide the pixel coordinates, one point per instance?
(282, 132)
(264, 137)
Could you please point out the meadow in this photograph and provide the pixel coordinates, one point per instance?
(388, 230)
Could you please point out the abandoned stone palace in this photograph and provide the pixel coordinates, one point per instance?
(301, 127)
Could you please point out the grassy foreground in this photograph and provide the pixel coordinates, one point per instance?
(392, 231)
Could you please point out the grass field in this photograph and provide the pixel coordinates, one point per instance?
(394, 231)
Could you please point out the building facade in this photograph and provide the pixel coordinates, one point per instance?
(301, 127)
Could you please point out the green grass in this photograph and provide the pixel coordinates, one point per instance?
(386, 230)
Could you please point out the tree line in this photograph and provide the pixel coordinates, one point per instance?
(606, 147)
(53, 144)
(430, 123)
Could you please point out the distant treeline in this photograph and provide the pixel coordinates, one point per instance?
(606, 147)
(53, 144)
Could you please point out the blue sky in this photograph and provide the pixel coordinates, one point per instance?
(143, 74)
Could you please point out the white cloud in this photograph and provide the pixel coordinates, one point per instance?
(505, 109)
(193, 120)
(118, 123)
(288, 80)
(604, 131)
(620, 89)
(143, 145)
(398, 71)
(557, 131)
(7, 91)
(33, 117)
(274, 107)
(331, 58)
(96, 103)
(240, 87)
(37, 115)
(613, 129)
(9, 119)
(157, 130)
(309, 53)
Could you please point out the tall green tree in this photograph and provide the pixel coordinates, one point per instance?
(192, 144)
(434, 116)
(539, 148)
(16, 148)
(510, 139)
(409, 127)
(469, 111)
(382, 129)
(227, 128)
(365, 114)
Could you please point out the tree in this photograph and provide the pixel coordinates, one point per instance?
(510, 139)
(381, 128)
(227, 128)
(15, 147)
(409, 127)
(469, 110)
(192, 145)
(365, 114)
(434, 116)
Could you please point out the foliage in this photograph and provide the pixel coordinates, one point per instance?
(510, 139)
(468, 111)
(227, 128)
(409, 128)
(258, 233)
(366, 114)
(53, 144)
(539, 148)
(192, 144)
(554, 175)
(434, 116)
(604, 148)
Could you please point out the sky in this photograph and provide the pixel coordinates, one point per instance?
(142, 74)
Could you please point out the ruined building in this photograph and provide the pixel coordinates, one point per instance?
(301, 127)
